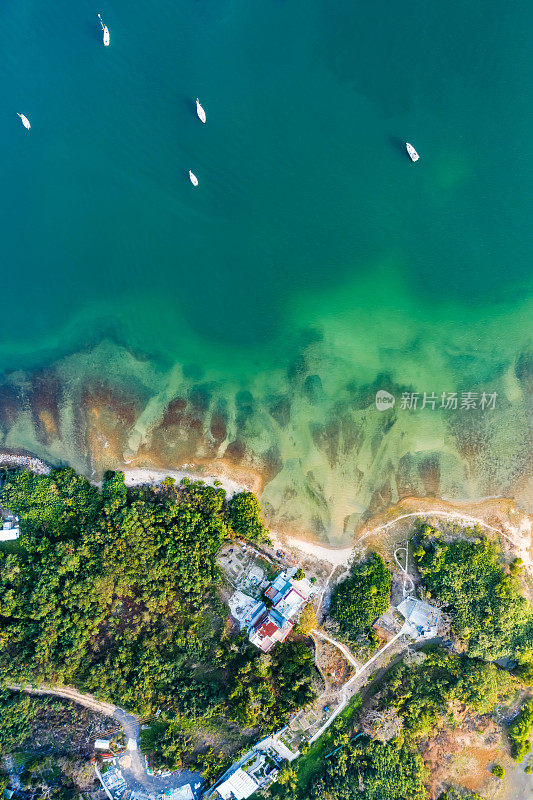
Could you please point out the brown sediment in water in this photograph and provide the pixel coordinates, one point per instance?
(44, 398)
(11, 404)
(104, 418)
(218, 427)
(325, 461)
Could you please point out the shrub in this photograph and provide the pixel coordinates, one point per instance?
(520, 749)
(307, 620)
(498, 771)
(363, 596)
(520, 730)
(245, 518)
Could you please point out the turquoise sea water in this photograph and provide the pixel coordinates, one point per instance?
(313, 265)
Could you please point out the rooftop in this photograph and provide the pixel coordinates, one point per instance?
(422, 618)
(238, 786)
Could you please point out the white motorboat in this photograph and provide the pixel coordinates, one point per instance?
(25, 121)
(413, 155)
(194, 179)
(200, 111)
(105, 29)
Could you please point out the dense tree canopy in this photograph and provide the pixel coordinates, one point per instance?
(520, 731)
(17, 713)
(363, 596)
(115, 592)
(245, 517)
(423, 694)
(370, 770)
(487, 607)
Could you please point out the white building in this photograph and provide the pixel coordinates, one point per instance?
(245, 609)
(274, 743)
(102, 744)
(422, 619)
(10, 529)
(238, 786)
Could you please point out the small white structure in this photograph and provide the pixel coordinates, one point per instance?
(105, 30)
(290, 604)
(102, 744)
(422, 619)
(25, 121)
(413, 155)
(132, 744)
(200, 111)
(10, 529)
(245, 608)
(180, 793)
(239, 785)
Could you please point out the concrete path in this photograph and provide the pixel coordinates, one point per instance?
(347, 691)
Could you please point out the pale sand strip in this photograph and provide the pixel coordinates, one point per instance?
(338, 556)
(140, 477)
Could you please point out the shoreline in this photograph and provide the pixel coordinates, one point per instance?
(496, 514)
(141, 477)
(11, 458)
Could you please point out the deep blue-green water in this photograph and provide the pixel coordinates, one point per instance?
(311, 240)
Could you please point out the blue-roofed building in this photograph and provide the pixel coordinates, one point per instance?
(288, 597)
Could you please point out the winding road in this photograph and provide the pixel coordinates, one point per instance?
(344, 650)
(135, 774)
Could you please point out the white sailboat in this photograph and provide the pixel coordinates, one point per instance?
(200, 111)
(25, 121)
(194, 179)
(413, 155)
(107, 37)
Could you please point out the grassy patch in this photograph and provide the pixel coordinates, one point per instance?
(14, 546)
(306, 763)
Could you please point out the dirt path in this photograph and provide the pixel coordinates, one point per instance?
(347, 691)
(135, 774)
(69, 693)
(497, 515)
(344, 650)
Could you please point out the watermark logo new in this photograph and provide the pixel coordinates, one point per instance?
(384, 400)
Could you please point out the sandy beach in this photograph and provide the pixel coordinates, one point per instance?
(140, 477)
(336, 556)
(496, 515)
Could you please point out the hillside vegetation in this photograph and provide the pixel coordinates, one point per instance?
(485, 601)
(363, 596)
(115, 592)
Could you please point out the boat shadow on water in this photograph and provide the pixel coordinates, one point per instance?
(398, 144)
(188, 104)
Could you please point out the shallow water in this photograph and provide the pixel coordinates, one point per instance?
(314, 264)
